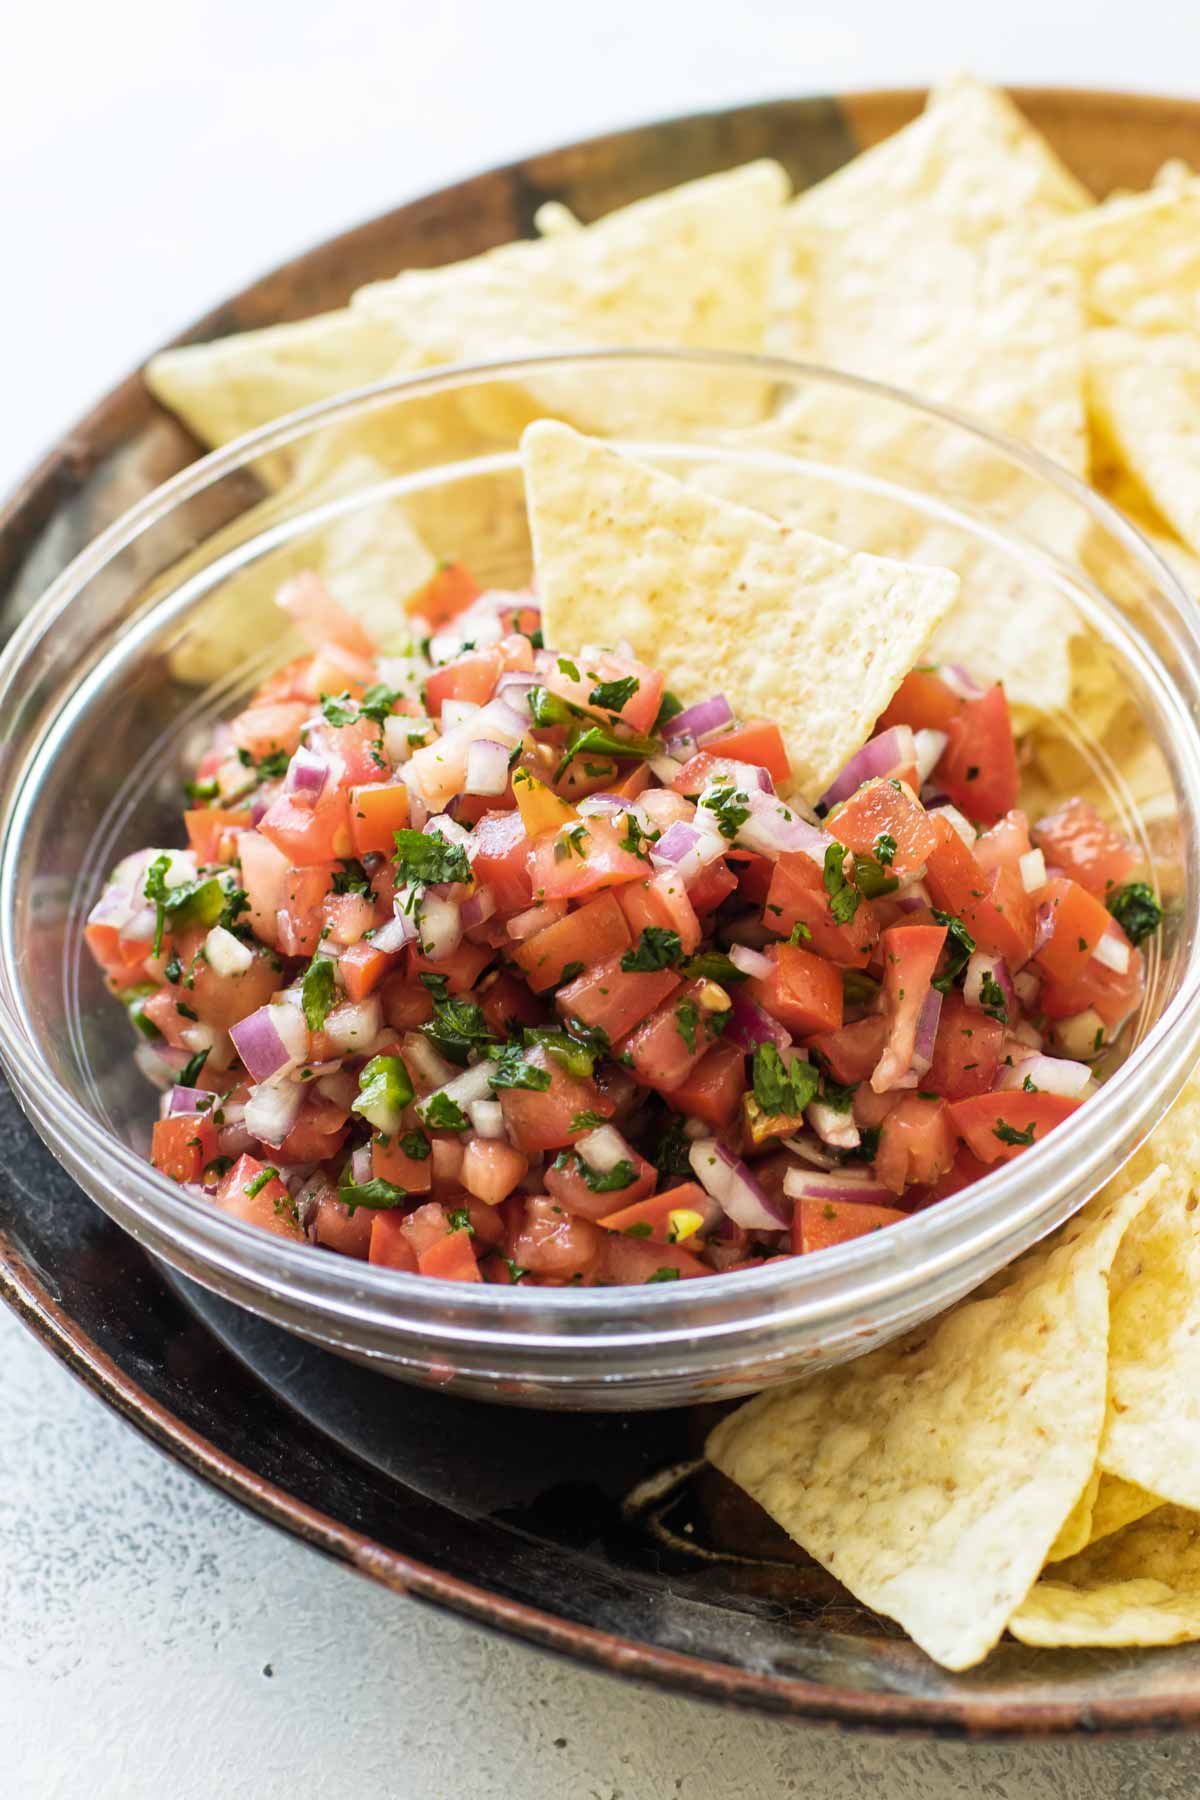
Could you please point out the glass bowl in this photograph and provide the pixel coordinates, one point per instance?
(165, 622)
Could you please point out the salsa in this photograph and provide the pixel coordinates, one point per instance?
(495, 963)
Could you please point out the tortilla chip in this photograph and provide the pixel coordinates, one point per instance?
(1075, 1532)
(919, 264)
(1152, 1430)
(234, 384)
(1117, 1504)
(1138, 255)
(687, 267)
(786, 623)
(932, 1477)
(1139, 1586)
(1144, 396)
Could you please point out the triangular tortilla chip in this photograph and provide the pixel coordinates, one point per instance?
(933, 1476)
(918, 264)
(785, 623)
(1139, 1586)
(1144, 396)
(1138, 255)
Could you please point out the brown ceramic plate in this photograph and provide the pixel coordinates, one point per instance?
(519, 1520)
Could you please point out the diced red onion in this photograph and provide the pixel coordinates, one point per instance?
(981, 968)
(189, 1100)
(604, 1148)
(360, 1165)
(351, 1026)
(487, 767)
(774, 828)
(336, 1086)
(261, 1040)
(477, 908)
(1027, 986)
(833, 1125)
(749, 1026)
(665, 767)
(527, 924)
(881, 755)
(235, 1140)
(960, 681)
(735, 1190)
(271, 1110)
(447, 827)
(929, 747)
(695, 721)
(908, 903)
(502, 721)
(307, 772)
(801, 1184)
(751, 962)
(810, 1152)
(676, 843)
(394, 933)
(513, 690)
(603, 805)
(427, 1068)
(1043, 926)
(487, 1118)
(1050, 1075)
(1112, 952)
(140, 926)
(439, 926)
(926, 1033)
(1032, 867)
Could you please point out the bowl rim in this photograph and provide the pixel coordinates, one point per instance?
(937, 1238)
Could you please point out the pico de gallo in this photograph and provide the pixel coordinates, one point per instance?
(498, 964)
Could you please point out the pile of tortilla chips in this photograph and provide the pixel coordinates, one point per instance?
(1030, 1461)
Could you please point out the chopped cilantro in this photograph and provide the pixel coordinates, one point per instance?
(1136, 910)
(599, 1181)
(711, 965)
(352, 878)
(670, 1153)
(613, 696)
(569, 972)
(669, 707)
(460, 1220)
(1008, 1134)
(256, 1186)
(782, 1088)
(378, 701)
(214, 1170)
(586, 1121)
(511, 1068)
(515, 1271)
(657, 948)
(338, 709)
(687, 1017)
(568, 668)
(958, 950)
(640, 1228)
(376, 1192)
(991, 999)
(189, 903)
(844, 897)
(800, 933)
(885, 848)
(730, 807)
(634, 837)
(871, 880)
(665, 1274)
(427, 858)
(190, 1072)
(441, 1113)
(457, 1024)
(316, 992)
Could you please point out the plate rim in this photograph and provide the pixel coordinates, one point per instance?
(23, 512)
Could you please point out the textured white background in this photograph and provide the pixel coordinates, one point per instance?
(158, 154)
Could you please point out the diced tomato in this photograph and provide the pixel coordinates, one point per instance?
(759, 742)
(451, 1258)
(579, 860)
(803, 991)
(1078, 922)
(162, 1011)
(1077, 840)
(261, 730)
(309, 603)
(853, 1051)
(996, 1127)
(551, 1241)
(664, 1049)
(499, 852)
(964, 1170)
(183, 1145)
(546, 1119)
(916, 1143)
(639, 711)
(707, 766)
(377, 812)
(309, 831)
(595, 931)
(265, 874)
(425, 1227)
(569, 1187)
(966, 1053)
(713, 1089)
(119, 957)
(363, 967)
(818, 1224)
(491, 1169)
(797, 896)
(923, 701)
(910, 956)
(210, 830)
(996, 910)
(880, 809)
(471, 677)
(1003, 846)
(446, 594)
(508, 1003)
(318, 1131)
(716, 881)
(657, 1220)
(614, 999)
(389, 1242)
(754, 875)
(978, 768)
(407, 1002)
(338, 671)
(355, 751)
(632, 1261)
(1099, 989)
(348, 917)
(301, 918)
(462, 968)
(292, 682)
(270, 1206)
(391, 1162)
(662, 901)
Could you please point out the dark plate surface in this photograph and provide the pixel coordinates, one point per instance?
(517, 1519)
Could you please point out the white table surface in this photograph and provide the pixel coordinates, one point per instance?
(155, 1642)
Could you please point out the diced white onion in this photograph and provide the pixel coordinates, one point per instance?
(449, 828)
(832, 1126)
(1050, 1075)
(751, 962)
(1113, 952)
(271, 1110)
(289, 1023)
(439, 926)
(402, 736)
(225, 953)
(457, 712)
(603, 1149)
(964, 827)
(666, 768)
(218, 1043)
(487, 1118)
(487, 767)
(340, 1088)
(1081, 1036)
(1033, 870)
(352, 1026)
(473, 1084)
(930, 745)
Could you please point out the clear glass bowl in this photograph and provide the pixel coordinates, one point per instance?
(165, 623)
